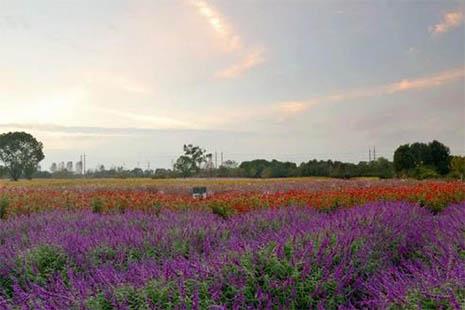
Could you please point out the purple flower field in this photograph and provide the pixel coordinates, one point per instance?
(382, 255)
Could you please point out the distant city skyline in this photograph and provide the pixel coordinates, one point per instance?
(132, 81)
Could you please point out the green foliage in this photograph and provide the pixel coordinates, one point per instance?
(190, 163)
(3, 171)
(417, 300)
(457, 167)
(440, 157)
(21, 154)
(265, 267)
(135, 299)
(424, 172)
(39, 264)
(221, 209)
(99, 302)
(421, 160)
(97, 205)
(4, 204)
(6, 286)
(404, 159)
(156, 293)
(261, 168)
(101, 255)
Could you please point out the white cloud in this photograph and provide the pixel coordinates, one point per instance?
(450, 20)
(250, 60)
(219, 24)
(438, 79)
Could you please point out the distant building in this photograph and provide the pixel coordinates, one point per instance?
(61, 166)
(79, 167)
(69, 166)
(53, 167)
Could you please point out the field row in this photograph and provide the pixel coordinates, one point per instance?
(24, 200)
(381, 255)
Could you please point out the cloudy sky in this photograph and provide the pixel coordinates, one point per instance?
(130, 81)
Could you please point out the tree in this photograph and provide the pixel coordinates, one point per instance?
(191, 162)
(457, 166)
(421, 159)
(383, 168)
(21, 154)
(440, 155)
(197, 155)
(3, 171)
(230, 164)
(422, 154)
(404, 160)
(185, 166)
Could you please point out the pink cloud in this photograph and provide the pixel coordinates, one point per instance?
(450, 20)
(438, 79)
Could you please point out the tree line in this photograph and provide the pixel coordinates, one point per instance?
(21, 153)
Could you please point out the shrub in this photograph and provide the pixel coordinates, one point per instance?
(424, 172)
(6, 286)
(221, 209)
(99, 302)
(101, 255)
(39, 264)
(97, 205)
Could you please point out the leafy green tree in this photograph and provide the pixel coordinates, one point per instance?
(404, 159)
(440, 155)
(383, 168)
(3, 171)
(191, 162)
(420, 159)
(422, 154)
(197, 155)
(21, 154)
(254, 168)
(457, 166)
(185, 166)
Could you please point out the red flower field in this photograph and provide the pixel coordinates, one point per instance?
(241, 197)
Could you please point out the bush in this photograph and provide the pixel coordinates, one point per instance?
(39, 264)
(97, 205)
(424, 172)
(221, 209)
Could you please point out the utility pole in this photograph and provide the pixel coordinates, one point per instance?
(374, 152)
(84, 164)
(369, 154)
(216, 159)
(221, 158)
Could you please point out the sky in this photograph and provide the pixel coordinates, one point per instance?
(128, 82)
